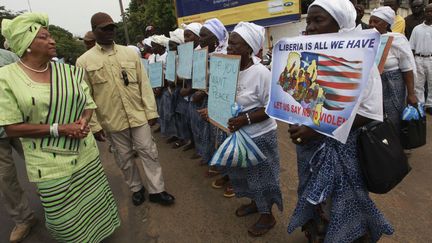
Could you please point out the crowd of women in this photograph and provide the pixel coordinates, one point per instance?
(333, 204)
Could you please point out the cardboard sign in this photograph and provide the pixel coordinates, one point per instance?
(185, 53)
(156, 74)
(224, 71)
(199, 71)
(170, 72)
(317, 79)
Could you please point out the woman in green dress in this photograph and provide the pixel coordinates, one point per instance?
(48, 106)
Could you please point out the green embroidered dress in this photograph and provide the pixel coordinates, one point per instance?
(78, 203)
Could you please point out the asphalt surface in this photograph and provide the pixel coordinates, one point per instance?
(202, 214)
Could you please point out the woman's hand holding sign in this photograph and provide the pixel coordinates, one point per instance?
(302, 134)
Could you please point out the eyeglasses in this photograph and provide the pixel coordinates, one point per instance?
(125, 77)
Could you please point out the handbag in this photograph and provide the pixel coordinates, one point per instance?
(413, 131)
(382, 158)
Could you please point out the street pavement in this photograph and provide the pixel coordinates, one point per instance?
(202, 214)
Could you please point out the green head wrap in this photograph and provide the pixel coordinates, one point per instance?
(21, 31)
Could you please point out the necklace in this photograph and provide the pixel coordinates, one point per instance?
(34, 70)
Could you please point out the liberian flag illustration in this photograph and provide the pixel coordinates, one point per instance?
(339, 78)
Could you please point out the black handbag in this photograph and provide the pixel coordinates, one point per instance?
(382, 158)
(413, 132)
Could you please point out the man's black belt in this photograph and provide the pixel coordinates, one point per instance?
(420, 55)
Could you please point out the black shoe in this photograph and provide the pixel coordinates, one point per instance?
(163, 198)
(138, 197)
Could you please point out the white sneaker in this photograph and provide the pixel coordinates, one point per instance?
(20, 231)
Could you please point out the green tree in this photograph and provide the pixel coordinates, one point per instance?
(68, 47)
(6, 14)
(141, 13)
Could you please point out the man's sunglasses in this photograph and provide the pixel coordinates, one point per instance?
(125, 77)
(110, 27)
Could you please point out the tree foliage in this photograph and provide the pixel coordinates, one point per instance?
(6, 14)
(67, 46)
(141, 13)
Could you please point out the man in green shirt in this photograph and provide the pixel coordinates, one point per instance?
(15, 202)
(126, 109)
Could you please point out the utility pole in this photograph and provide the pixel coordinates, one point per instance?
(124, 22)
(28, 3)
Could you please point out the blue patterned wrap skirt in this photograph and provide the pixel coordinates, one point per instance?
(394, 93)
(329, 171)
(182, 118)
(167, 113)
(260, 183)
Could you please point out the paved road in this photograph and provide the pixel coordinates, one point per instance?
(202, 214)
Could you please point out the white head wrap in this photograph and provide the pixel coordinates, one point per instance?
(342, 11)
(147, 41)
(385, 13)
(160, 39)
(194, 27)
(218, 29)
(136, 49)
(253, 35)
(177, 36)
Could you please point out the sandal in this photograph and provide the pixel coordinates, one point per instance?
(218, 184)
(202, 163)
(259, 229)
(178, 144)
(229, 192)
(211, 173)
(171, 139)
(189, 146)
(246, 209)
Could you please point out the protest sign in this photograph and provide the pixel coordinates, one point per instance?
(317, 80)
(383, 51)
(170, 72)
(199, 70)
(185, 53)
(224, 71)
(145, 63)
(156, 74)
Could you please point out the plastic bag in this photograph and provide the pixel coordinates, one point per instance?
(411, 113)
(238, 150)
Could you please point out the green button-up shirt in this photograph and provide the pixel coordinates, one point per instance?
(6, 58)
(120, 106)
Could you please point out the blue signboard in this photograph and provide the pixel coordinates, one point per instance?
(265, 13)
(224, 70)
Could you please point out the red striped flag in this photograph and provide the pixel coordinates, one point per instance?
(340, 79)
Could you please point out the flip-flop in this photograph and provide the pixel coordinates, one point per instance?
(247, 210)
(216, 186)
(212, 173)
(171, 139)
(188, 146)
(264, 227)
(229, 192)
(178, 144)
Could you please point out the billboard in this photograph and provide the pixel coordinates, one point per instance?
(230, 12)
